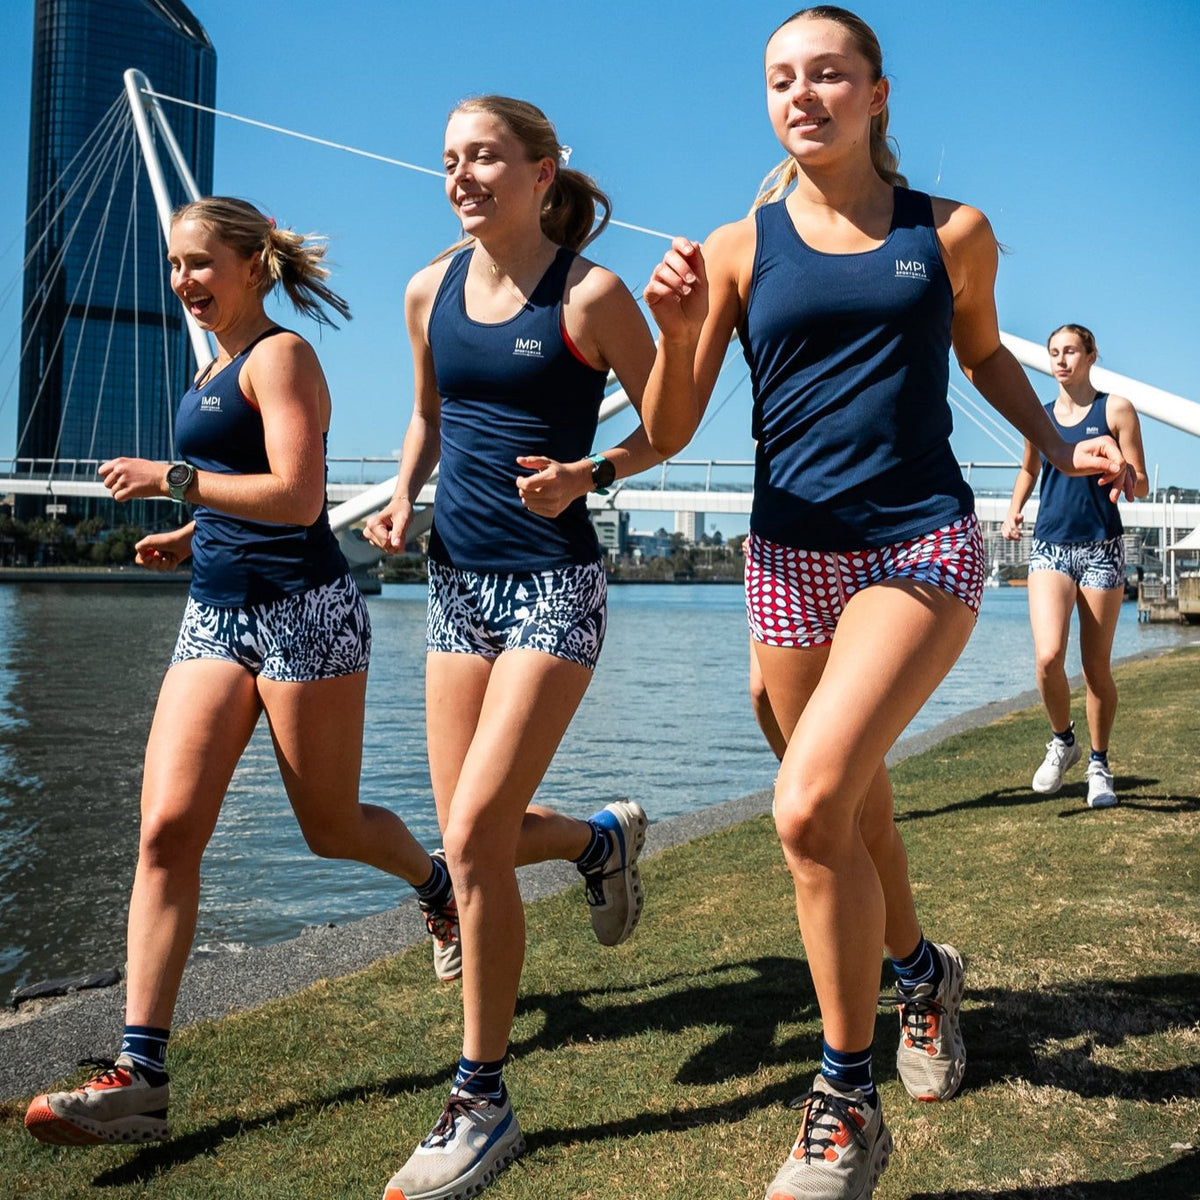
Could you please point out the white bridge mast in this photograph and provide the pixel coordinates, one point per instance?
(145, 109)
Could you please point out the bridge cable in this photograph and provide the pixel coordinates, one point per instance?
(383, 158)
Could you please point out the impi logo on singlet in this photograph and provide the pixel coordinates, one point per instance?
(907, 268)
(210, 403)
(1092, 429)
(528, 347)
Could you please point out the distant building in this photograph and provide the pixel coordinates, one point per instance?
(106, 354)
(691, 525)
(643, 544)
(612, 529)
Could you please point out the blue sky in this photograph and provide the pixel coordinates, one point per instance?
(1073, 127)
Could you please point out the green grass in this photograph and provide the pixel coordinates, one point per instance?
(662, 1068)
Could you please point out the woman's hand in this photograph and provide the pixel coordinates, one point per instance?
(134, 478)
(677, 294)
(388, 530)
(554, 485)
(1102, 456)
(165, 551)
(1011, 526)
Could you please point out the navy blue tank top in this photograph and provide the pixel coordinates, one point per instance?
(237, 562)
(516, 387)
(849, 357)
(1075, 508)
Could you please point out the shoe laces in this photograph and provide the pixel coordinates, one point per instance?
(460, 1104)
(104, 1070)
(593, 881)
(829, 1124)
(442, 923)
(920, 1011)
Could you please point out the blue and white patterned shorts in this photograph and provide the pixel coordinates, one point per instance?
(319, 634)
(1099, 565)
(562, 612)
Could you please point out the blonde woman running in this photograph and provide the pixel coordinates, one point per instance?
(512, 340)
(864, 564)
(274, 623)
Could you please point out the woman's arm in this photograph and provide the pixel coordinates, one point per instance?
(165, 551)
(970, 252)
(388, 530)
(282, 378)
(606, 326)
(1127, 429)
(1031, 464)
(696, 297)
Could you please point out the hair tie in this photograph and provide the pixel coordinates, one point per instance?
(271, 222)
(564, 155)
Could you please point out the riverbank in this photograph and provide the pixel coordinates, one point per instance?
(104, 575)
(1081, 1018)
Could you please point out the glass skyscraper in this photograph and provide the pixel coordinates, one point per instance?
(105, 353)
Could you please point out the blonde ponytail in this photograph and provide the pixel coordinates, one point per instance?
(290, 259)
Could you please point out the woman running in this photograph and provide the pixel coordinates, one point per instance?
(864, 560)
(274, 623)
(1077, 562)
(512, 338)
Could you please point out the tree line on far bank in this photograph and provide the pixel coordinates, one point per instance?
(47, 542)
(710, 560)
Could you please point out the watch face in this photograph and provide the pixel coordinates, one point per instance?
(179, 474)
(603, 472)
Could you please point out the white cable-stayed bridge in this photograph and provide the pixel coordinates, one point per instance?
(134, 137)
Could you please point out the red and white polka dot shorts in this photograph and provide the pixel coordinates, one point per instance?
(795, 597)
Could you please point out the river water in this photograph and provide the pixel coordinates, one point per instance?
(666, 722)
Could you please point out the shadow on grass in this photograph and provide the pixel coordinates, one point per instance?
(747, 1004)
(1007, 1039)
(1175, 1181)
(748, 1012)
(151, 1161)
(1131, 789)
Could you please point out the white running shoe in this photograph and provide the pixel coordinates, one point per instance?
(1060, 757)
(1100, 786)
(442, 924)
(117, 1104)
(614, 892)
(472, 1142)
(841, 1150)
(930, 1057)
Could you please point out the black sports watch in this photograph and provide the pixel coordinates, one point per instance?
(179, 479)
(603, 473)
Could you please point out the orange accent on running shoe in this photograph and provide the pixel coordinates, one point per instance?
(45, 1125)
(118, 1077)
(394, 1193)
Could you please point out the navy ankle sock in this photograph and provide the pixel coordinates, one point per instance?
(1068, 738)
(147, 1047)
(923, 965)
(484, 1079)
(1100, 756)
(597, 851)
(848, 1069)
(435, 892)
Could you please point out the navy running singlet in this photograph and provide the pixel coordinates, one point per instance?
(849, 356)
(238, 562)
(1075, 508)
(511, 388)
